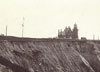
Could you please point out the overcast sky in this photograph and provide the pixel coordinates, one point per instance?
(43, 18)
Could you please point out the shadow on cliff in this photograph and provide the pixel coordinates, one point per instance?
(13, 67)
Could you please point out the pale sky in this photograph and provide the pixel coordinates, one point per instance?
(43, 18)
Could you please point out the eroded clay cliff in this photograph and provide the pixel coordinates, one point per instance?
(49, 56)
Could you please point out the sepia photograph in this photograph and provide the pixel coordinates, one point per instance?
(49, 36)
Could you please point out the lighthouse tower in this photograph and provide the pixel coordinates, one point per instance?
(75, 32)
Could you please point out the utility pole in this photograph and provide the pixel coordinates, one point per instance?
(6, 29)
(23, 27)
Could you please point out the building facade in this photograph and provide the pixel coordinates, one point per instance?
(69, 33)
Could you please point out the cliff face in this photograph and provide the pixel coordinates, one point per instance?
(50, 56)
